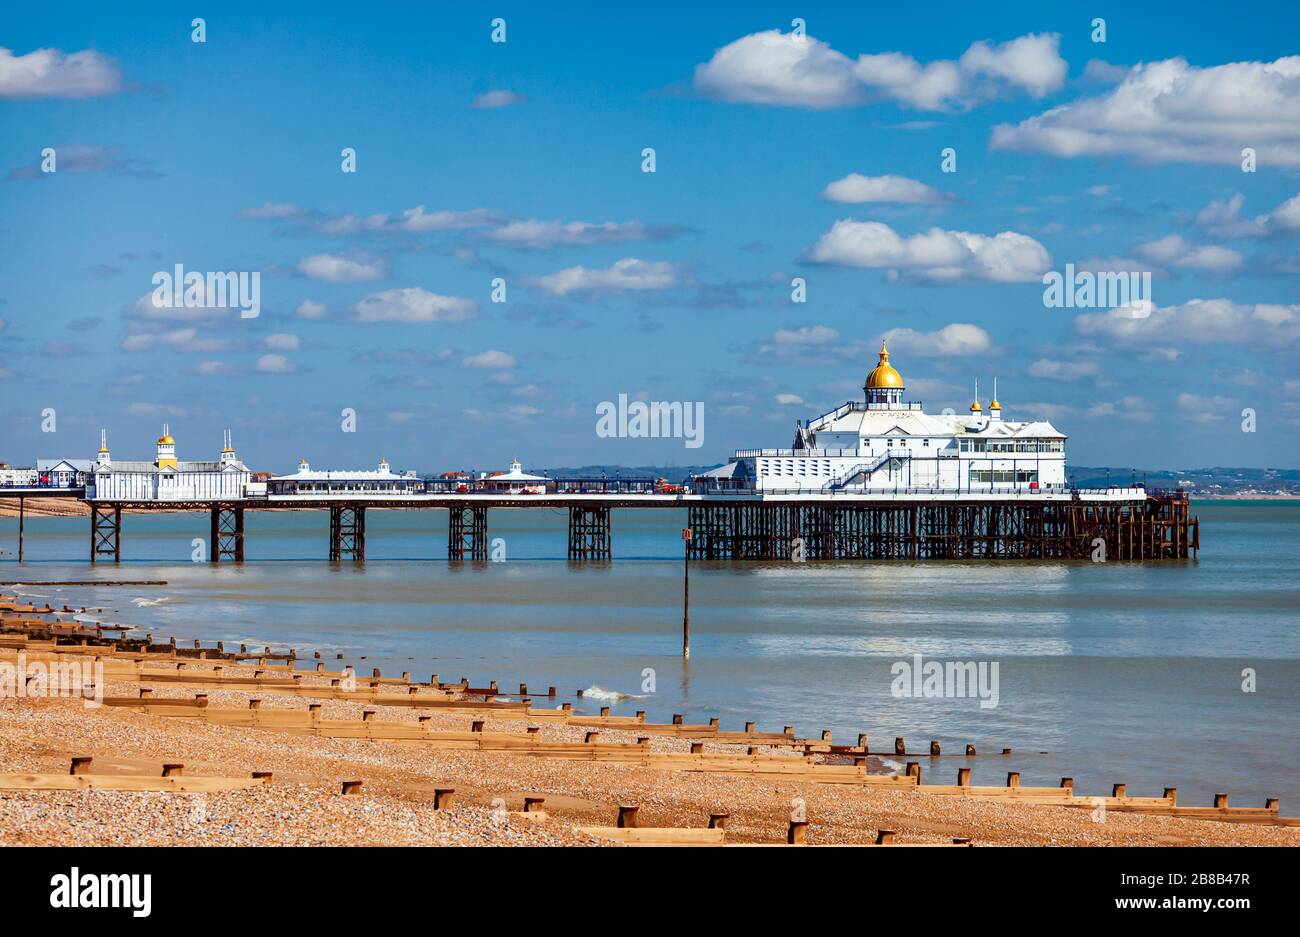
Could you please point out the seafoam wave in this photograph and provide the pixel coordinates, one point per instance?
(150, 603)
(600, 693)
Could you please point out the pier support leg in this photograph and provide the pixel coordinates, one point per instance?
(348, 533)
(467, 533)
(589, 532)
(20, 528)
(105, 532)
(227, 541)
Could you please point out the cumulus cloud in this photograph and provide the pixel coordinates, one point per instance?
(806, 335)
(789, 400)
(799, 71)
(958, 338)
(855, 189)
(1172, 249)
(283, 341)
(175, 340)
(273, 364)
(1198, 321)
(414, 304)
(333, 268)
(626, 274)
(542, 235)
(81, 158)
(1224, 218)
(272, 211)
(937, 255)
(310, 309)
(496, 98)
(1062, 370)
(1170, 111)
(49, 73)
(492, 360)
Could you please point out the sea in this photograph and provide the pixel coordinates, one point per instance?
(1178, 674)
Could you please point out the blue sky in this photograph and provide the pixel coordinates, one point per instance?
(676, 285)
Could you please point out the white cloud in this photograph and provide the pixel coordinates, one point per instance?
(958, 338)
(1171, 111)
(493, 360)
(787, 400)
(1062, 370)
(626, 274)
(417, 219)
(806, 335)
(212, 367)
(1224, 218)
(855, 189)
(799, 71)
(1173, 249)
(309, 309)
(176, 340)
(541, 235)
(156, 409)
(496, 98)
(1206, 409)
(523, 410)
(49, 73)
(1199, 321)
(332, 268)
(274, 364)
(282, 341)
(936, 255)
(414, 304)
(272, 211)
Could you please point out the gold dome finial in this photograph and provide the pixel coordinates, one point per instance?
(975, 404)
(993, 404)
(883, 375)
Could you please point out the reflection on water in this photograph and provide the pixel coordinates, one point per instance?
(1118, 672)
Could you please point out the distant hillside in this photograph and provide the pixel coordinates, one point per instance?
(1207, 481)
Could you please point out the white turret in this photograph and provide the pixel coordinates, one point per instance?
(103, 458)
(227, 449)
(383, 465)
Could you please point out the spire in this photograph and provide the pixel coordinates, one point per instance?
(103, 440)
(994, 405)
(975, 404)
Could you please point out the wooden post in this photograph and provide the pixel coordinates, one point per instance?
(604, 711)
(914, 770)
(368, 715)
(1171, 794)
(591, 738)
(749, 728)
(963, 777)
(442, 797)
(718, 821)
(263, 775)
(523, 689)
(900, 747)
(1270, 804)
(885, 838)
(686, 593)
(255, 704)
(1221, 801)
(351, 787)
(81, 765)
(627, 817)
(1068, 784)
(970, 751)
(713, 722)
(1013, 779)
(476, 725)
(172, 770)
(697, 748)
(934, 749)
(21, 517)
(533, 804)
(1119, 790)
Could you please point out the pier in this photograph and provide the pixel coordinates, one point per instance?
(1129, 524)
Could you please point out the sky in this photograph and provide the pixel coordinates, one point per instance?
(799, 211)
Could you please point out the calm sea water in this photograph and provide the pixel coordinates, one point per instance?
(1107, 672)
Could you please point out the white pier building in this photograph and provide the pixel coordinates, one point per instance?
(884, 444)
(166, 478)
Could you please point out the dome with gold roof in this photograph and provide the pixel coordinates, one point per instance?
(883, 374)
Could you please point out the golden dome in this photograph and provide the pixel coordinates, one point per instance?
(166, 441)
(994, 405)
(883, 374)
(975, 406)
